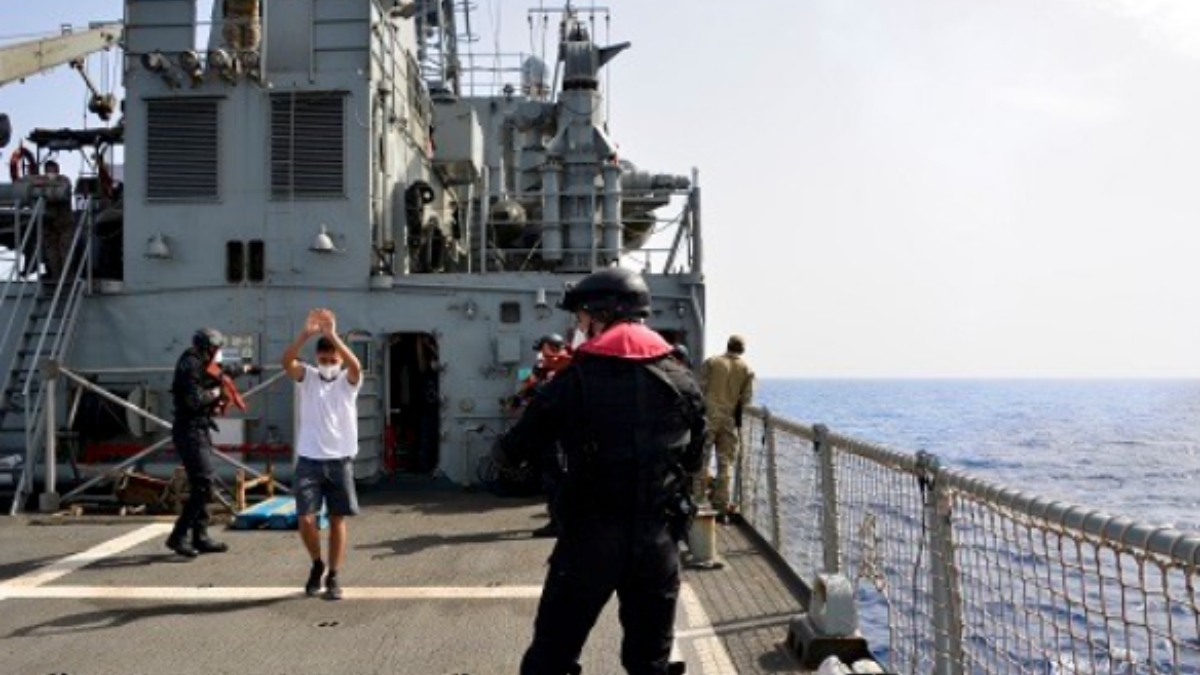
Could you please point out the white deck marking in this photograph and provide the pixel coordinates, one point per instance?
(698, 629)
(61, 568)
(231, 593)
(714, 659)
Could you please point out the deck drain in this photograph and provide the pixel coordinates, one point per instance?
(328, 624)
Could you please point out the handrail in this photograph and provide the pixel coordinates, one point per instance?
(61, 313)
(150, 449)
(35, 219)
(975, 576)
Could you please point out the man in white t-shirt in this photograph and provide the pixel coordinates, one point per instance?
(325, 444)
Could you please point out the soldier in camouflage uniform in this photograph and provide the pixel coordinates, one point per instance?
(728, 384)
(242, 27)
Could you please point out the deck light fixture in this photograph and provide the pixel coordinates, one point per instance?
(157, 248)
(190, 62)
(223, 62)
(323, 243)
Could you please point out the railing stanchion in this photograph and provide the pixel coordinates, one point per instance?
(829, 495)
(947, 614)
(773, 482)
(48, 501)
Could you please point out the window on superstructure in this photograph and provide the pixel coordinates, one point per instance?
(258, 261)
(510, 312)
(308, 145)
(235, 262)
(182, 149)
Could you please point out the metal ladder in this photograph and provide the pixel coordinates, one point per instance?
(40, 329)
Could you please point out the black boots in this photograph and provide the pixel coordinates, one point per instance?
(202, 543)
(178, 543)
(178, 540)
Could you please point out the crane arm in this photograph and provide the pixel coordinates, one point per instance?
(23, 59)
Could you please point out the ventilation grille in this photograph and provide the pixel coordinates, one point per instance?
(308, 145)
(182, 149)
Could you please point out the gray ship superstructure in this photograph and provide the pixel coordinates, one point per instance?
(340, 153)
(351, 154)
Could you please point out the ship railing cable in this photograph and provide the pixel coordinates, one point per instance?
(957, 574)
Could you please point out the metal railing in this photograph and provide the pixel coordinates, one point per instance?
(661, 244)
(955, 574)
(16, 292)
(51, 342)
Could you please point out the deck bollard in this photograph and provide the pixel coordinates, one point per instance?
(830, 626)
(702, 541)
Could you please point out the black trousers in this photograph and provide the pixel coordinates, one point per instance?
(594, 558)
(193, 443)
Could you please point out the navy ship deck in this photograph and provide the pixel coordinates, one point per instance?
(437, 582)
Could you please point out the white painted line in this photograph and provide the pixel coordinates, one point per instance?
(714, 659)
(234, 593)
(61, 568)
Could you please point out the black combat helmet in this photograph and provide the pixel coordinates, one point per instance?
(208, 339)
(551, 339)
(682, 354)
(618, 292)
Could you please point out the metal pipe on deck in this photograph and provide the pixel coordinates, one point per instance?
(48, 501)
(552, 235)
(399, 228)
(485, 210)
(697, 234)
(611, 214)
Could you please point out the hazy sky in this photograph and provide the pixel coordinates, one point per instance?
(901, 187)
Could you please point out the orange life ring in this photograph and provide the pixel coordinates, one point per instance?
(22, 163)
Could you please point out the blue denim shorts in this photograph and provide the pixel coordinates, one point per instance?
(325, 481)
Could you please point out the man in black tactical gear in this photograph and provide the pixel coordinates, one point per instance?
(197, 395)
(630, 421)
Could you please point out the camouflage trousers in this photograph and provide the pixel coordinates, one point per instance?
(242, 34)
(723, 437)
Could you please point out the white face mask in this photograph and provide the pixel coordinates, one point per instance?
(329, 372)
(218, 357)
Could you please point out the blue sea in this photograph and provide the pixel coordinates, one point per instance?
(1127, 447)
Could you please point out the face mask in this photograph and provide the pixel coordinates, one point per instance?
(218, 357)
(329, 372)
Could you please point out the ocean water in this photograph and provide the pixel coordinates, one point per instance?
(1127, 447)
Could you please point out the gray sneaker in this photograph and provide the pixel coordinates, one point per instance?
(333, 590)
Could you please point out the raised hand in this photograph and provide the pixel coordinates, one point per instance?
(312, 323)
(327, 322)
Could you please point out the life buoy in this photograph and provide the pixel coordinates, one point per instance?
(22, 163)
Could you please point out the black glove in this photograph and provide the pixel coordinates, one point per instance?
(737, 416)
